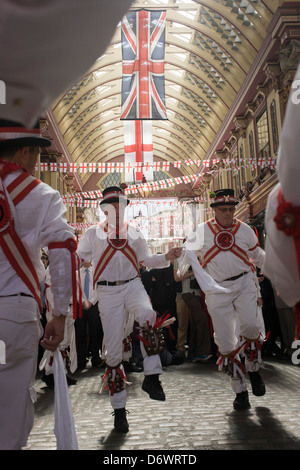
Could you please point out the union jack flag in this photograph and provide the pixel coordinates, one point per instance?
(143, 50)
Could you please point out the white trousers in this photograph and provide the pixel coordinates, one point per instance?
(132, 297)
(20, 332)
(235, 314)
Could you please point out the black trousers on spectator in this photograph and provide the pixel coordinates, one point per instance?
(89, 335)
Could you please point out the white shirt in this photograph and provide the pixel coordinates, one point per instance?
(94, 242)
(226, 264)
(281, 258)
(39, 220)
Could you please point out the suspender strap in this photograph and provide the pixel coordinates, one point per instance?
(103, 262)
(225, 241)
(107, 256)
(14, 251)
(21, 187)
(10, 241)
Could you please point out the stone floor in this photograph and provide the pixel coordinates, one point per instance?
(197, 414)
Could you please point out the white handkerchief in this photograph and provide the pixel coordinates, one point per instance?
(206, 282)
(64, 428)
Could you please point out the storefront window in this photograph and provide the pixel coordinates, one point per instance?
(274, 126)
(242, 164)
(263, 135)
(252, 154)
(263, 142)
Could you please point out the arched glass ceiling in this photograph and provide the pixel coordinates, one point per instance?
(210, 47)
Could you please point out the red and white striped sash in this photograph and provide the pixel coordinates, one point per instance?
(10, 241)
(225, 241)
(112, 248)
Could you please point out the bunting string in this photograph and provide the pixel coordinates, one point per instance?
(89, 198)
(120, 167)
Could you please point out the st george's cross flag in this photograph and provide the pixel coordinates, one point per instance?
(143, 51)
(138, 149)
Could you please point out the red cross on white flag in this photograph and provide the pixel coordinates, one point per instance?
(63, 167)
(110, 167)
(138, 149)
(119, 167)
(83, 167)
(101, 168)
(44, 166)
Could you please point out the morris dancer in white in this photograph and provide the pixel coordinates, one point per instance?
(282, 264)
(32, 216)
(228, 248)
(117, 250)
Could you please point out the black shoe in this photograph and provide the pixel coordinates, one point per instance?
(71, 381)
(131, 367)
(152, 386)
(178, 357)
(121, 423)
(97, 362)
(241, 401)
(48, 380)
(257, 384)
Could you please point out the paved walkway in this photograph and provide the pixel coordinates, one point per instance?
(197, 415)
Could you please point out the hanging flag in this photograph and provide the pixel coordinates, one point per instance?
(138, 150)
(44, 166)
(143, 53)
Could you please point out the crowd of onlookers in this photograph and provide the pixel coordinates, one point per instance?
(190, 337)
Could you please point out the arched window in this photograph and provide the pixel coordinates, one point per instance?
(241, 164)
(274, 126)
(252, 154)
(112, 179)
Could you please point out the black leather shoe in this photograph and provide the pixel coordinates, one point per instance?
(97, 363)
(152, 386)
(121, 423)
(71, 381)
(48, 380)
(241, 401)
(257, 384)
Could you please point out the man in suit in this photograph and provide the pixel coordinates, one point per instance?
(88, 328)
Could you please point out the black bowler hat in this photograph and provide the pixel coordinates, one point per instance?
(113, 194)
(15, 133)
(224, 197)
